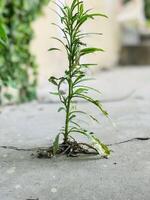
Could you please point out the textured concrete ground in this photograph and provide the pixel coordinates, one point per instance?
(124, 176)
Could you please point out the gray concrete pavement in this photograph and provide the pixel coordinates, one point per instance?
(124, 176)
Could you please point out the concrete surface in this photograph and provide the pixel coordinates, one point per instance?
(124, 176)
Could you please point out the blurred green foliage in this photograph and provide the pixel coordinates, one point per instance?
(147, 9)
(126, 1)
(17, 65)
(3, 36)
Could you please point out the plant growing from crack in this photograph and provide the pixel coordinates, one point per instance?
(72, 19)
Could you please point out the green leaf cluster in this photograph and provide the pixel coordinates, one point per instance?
(72, 18)
(17, 65)
(147, 9)
(3, 36)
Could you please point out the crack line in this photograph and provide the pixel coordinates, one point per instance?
(45, 148)
(130, 140)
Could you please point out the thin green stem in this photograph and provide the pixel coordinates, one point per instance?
(70, 85)
(68, 112)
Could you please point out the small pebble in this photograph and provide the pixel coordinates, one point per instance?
(105, 166)
(53, 190)
(18, 187)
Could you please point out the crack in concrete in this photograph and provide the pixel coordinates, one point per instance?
(130, 140)
(33, 199)
(45, 148)
(23, 149)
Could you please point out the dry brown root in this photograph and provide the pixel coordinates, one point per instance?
(70, 148)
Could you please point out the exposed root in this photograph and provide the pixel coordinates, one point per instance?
(70, 148)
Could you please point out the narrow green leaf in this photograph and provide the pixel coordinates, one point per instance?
(60, 109)
(94, 119)
(101, 145)
(59, 40)
(88, 64)
(89, 50)
(72, 117)
(84, 113)
(95, 102)
(54, 49)
(55, 93)
(97, 15)
(56, 144)
(88, 88)
(81, 79)
(75, 123)
(53, 80)
(81, 90)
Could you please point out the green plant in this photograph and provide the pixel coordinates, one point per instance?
(72, 18)
(17, 65)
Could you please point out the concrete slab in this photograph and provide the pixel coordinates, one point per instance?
(124, 176)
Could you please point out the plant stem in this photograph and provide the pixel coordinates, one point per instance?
(68, 102)
(70, 86)
(67, 113)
